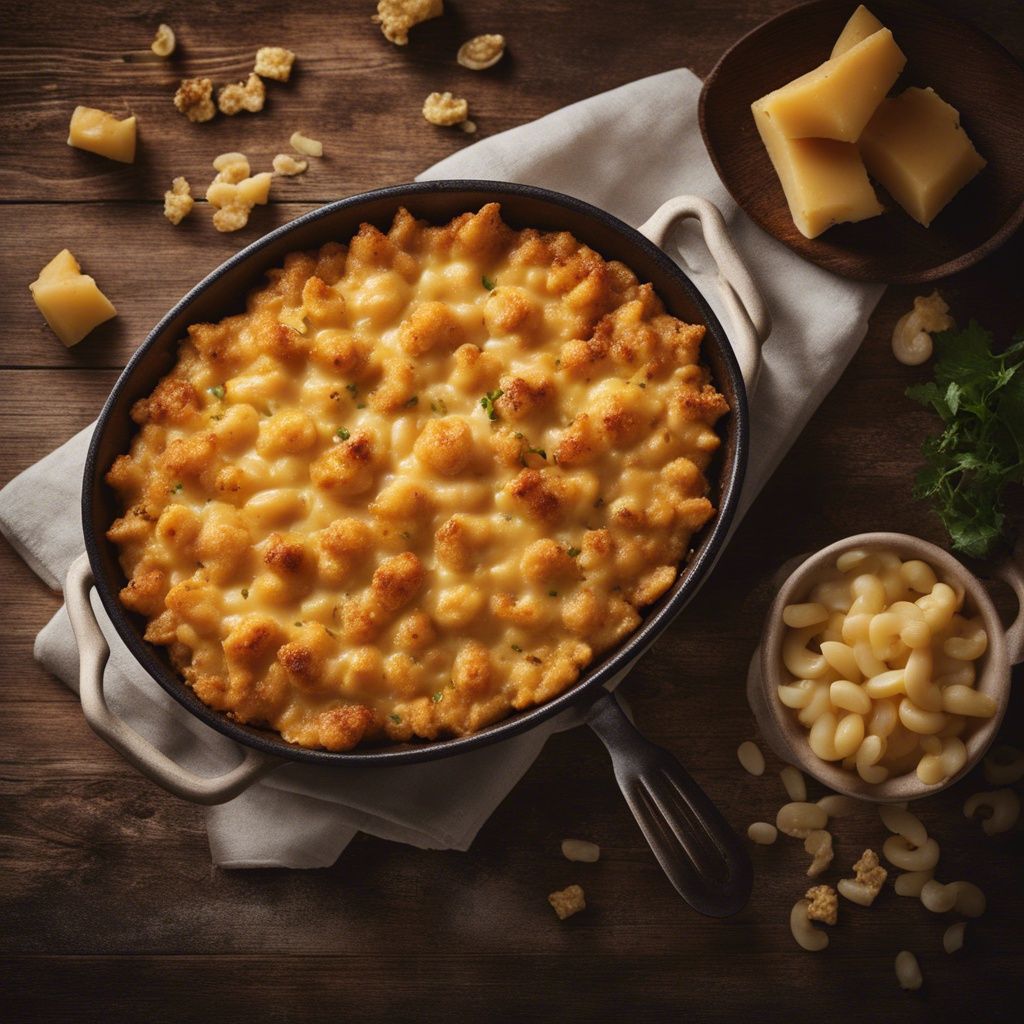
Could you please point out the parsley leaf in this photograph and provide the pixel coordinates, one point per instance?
(979, 396)
(217, 391)
(488, 283)
(487, 403)
(343, 433)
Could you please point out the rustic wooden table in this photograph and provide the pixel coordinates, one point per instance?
(110, 908)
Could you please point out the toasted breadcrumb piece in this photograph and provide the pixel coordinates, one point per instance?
(468, 127)
(444, 109)
(163, 42)
(178, 201)
(285, 163)
(396, 17)
(306, 146)
(194, 99)
(824, 904)
(481, 52)
(233, 217)
(274, 62)
(248, 95)
(869, 878)
(568, 901)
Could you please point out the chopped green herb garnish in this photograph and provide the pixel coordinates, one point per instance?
(299, 623)
(488, 283)
(641, 384)
(558, 364)
(245, 592)
(516, 648)
(552, 593)
(487, 403)
(979, 397)
(438, 697)
(599, 502)
(415, 400)
(404, 535)
(397, 719)
(438, 405)
(574, 552)
(177, 488)
(352, 389)
(217, 391)
(343, 433)
(360, 405)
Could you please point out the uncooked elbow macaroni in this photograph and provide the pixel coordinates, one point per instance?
(883, 658)
(421, 482)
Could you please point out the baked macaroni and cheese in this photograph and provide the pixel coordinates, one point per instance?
(420, 482)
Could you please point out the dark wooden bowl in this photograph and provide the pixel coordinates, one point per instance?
(964, 66)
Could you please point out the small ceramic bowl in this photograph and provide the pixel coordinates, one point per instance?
(788, 737)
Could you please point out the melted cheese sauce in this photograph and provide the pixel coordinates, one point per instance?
(422, 481)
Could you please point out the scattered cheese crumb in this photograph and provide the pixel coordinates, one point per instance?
(870, 877)
(99, 132)
(248, 95)
(568, 901)
(274, 62)
(163, 42)
(285, 163)
(824, 904)
(178, 201)
(194, 99)
(71, 301)
(231, 167)
(481, 52)
(443, 108)
(306, 146)
(233, 217)
(396, 17)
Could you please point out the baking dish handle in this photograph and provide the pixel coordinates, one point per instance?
(702, 856)
(93, 653)
(751, 321)
(1011, 571)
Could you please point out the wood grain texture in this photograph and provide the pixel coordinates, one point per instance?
(964, 66)
(109, 905)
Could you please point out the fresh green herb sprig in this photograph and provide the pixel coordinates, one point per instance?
(487, 403)
(979, 396)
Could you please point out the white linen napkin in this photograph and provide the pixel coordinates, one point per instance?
(626, 151)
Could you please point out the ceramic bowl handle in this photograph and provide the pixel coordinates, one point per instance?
(751, 323)
(1012, 572)
(702, 856)
(93, 653)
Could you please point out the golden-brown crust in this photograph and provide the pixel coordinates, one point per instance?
(422, 480)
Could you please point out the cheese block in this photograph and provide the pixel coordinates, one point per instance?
(914, 147)
(70, 301)
(100, 132)
(824, 180)
(837, 99)
(862, 24)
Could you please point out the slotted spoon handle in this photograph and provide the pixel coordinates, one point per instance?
(702, 856)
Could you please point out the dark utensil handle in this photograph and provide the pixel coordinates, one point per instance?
(702, 856)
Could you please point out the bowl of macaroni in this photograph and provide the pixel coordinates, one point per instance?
(416, 471)
(884, 667)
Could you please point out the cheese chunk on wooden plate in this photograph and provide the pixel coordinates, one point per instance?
(837, 99)
(915, 147)
(824, 180)
(102, 133)
(862, 24)
(70, 301)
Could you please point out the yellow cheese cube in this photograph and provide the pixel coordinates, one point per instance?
(102, 133)
(824, 180)
(862, 24)
(914, 146)
(70, 301)
(837, 99)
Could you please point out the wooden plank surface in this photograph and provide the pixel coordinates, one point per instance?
(109, 905)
